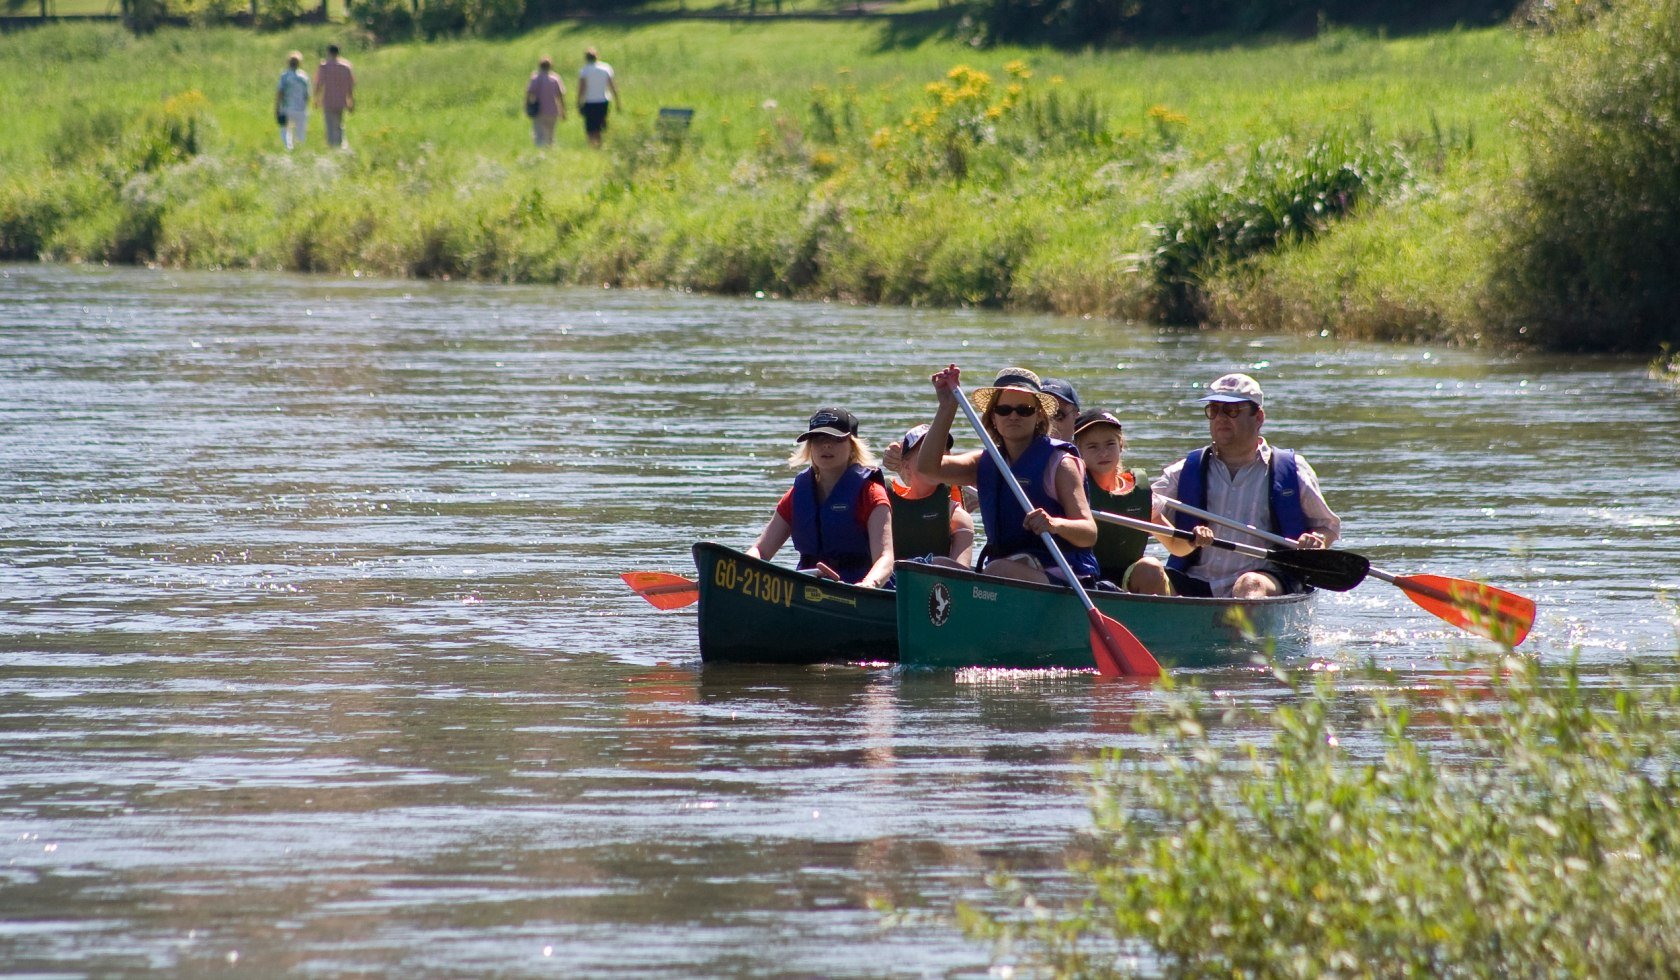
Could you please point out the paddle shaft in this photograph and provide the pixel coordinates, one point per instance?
(1179, 533)
(1021, 496)
(1114, 649)
(1251, 529)
(1408, 586)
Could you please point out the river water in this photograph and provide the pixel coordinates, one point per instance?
(316, 660)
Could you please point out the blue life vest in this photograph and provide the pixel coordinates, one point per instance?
(1283, 496)
(831, 533)
(1002, 515)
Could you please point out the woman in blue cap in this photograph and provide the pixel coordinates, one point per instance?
(836, 511)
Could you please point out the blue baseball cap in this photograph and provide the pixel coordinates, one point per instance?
(1062, 390)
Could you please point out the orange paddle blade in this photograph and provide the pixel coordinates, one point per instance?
(1117, 652)
(662, 589)
(1474, 606)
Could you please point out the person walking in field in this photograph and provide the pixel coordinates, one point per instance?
(291, 102)
(596, 90)
(335, 93)
(546, 95)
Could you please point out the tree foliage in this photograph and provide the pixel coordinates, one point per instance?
(1083, 23)
(1593, 257)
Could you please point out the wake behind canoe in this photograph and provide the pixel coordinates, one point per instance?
(951, 618)
(752, 611)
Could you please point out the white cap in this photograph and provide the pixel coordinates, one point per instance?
(1235, 388)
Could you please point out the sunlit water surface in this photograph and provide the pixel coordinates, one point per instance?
(316, 660)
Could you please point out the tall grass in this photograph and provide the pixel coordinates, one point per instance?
(830, 159)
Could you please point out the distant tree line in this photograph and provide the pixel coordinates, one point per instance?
(1100, 23)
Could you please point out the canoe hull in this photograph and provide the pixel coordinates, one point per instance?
(752, 611)
(951, 618)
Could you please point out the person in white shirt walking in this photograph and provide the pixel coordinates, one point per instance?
(291, 102)
(596, 90)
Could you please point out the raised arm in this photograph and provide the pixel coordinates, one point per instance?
(959, 470)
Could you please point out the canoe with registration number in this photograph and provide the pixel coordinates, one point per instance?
(951, 618)
(752, 611)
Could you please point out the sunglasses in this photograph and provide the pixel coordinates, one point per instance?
(1230, 410)
(1025, 411)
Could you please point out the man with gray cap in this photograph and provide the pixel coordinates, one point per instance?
(1240, 476)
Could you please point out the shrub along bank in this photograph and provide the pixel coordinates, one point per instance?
(1516, 820)
(1250, 185)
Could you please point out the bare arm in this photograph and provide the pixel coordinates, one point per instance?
(958, 471)
(962, 537)
(771, 539)
(880, 546)
(1179, 546)
(1078, 528)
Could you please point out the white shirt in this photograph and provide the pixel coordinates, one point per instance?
(592, 82)
(1245, 497)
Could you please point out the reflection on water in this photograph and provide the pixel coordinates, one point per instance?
(316, 658)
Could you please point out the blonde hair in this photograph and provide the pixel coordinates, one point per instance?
(861, 455)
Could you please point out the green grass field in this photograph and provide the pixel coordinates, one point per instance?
(819, 161)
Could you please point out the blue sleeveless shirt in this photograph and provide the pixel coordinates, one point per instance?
(1002, 515)
(830, 533)
(1283, 494)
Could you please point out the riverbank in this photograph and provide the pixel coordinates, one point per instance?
(856, 160)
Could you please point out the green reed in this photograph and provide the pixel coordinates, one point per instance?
(1514, 819)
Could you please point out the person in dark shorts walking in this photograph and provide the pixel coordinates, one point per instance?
(596, 90)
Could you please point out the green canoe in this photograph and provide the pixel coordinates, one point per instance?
(950, 618)
(754, 612)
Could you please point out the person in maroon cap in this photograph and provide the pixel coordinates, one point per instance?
(836, 512)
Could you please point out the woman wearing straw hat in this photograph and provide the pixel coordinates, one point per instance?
(1016, 412)
(836, 511)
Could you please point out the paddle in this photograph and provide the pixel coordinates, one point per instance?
(1472, 606)
(1337, 571)
(1113, 647)
(662, 589)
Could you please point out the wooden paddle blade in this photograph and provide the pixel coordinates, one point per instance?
(662, 589)
(1117, 652)
(1473, 606)
(1337, 571)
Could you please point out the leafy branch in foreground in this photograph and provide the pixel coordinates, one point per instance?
(1517, 819)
